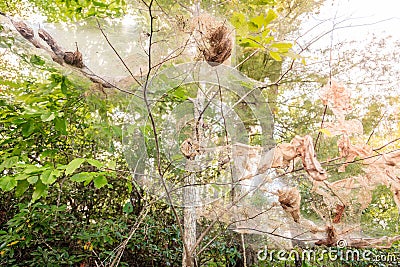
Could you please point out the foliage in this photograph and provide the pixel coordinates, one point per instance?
(47, 235)
(66, 10)
(67, 195)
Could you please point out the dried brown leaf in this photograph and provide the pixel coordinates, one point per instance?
(290, 198)
(283, 154)
(349, 151)
(339, 213)
(331, 237)
(213, 39)
(190, 149)
(303, 147)
(310, 162)
(337, 98)
(219, 46)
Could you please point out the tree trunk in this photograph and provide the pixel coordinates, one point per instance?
(190, 195)
(189, 220)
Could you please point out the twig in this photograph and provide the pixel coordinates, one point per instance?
(322, 124)
(247, 58)
(385, 145)
(116, 52)
(226, 135)
(330, 84)
(122, 246)
(154, 128)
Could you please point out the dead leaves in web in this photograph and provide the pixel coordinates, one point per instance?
(337, 98)
(384, 169)
(190, 149)
(349, 152)
(383, 242)
(290, 198)
(379, 169)
(74, 58)
(339, 213)
(56, 51)
(213, 39)
(335, 238)
(23, 29)
(299, 147)
(219, 46)
(331, 237)
(357, 188)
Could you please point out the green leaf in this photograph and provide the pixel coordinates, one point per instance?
(282, 47)
(64, 88)
(253, 27)
(61, 167)
(28, 128)
(21, 176)
(238, 20)
(36, 60)
(275, 56)
(7, 183)
(129, 186)
(47, 177)
(91, 12)
(100, 181)
(49, 153)
(271, 15)
(265, 34)
(326, 132)
(112, 164)
(117, 130)
(40, 191)
(257, 22)
(73, 165)
(82, 176)
(33, 179)
(128, 208)
(61, 125)
(9, 163)
(180, 93)
(95, 163)
(88, 181)
(47, 117)
(22, 186)
(247, 42)
(29, 169)
(57, 173)
(99, 4)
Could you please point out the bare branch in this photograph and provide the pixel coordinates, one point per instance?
(116, 53)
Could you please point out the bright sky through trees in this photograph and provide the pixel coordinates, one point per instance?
(365, 17)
